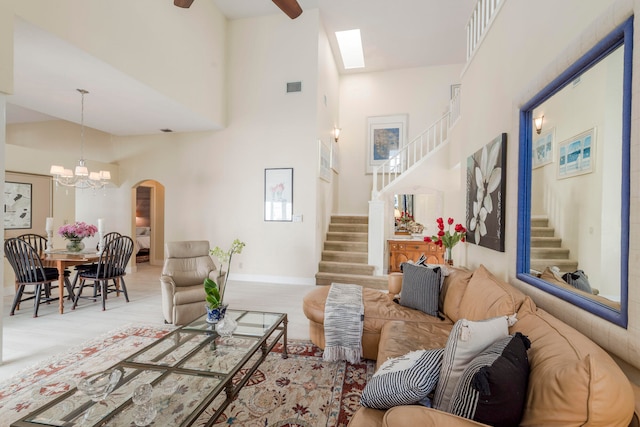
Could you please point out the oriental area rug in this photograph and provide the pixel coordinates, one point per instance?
(302, 390)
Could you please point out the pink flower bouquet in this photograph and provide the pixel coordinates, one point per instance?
(77, 230)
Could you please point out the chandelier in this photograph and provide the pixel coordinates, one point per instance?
(82, 178)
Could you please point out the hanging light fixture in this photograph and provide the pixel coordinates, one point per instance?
(82, 178)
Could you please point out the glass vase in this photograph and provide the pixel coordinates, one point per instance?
(448, 258)
(75, 245)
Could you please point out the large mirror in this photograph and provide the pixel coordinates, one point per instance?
(415, 214)
(573, 220)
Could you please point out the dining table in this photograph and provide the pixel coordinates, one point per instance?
(62, 259)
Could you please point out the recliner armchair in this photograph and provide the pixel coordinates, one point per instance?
(186, 265)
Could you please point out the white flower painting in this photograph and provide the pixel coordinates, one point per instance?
(486, 186)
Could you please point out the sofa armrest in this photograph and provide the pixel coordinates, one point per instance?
(414, 415)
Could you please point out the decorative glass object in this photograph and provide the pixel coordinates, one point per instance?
(98, 386)
(142, 393)
(144, 414)
(226, 326)
(75, 245)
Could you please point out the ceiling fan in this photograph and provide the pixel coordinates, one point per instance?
(290, 7)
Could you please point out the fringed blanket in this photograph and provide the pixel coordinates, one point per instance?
(343, 320)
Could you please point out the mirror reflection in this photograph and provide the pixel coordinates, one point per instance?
(576, 184)
(415, 214)
(574, 181)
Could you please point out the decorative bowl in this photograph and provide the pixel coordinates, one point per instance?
(98, 386)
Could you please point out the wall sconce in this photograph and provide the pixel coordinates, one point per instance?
(336, 133)
(537, 122)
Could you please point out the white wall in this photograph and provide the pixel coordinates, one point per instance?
(518, 57)
(422, 93)
(178, 52)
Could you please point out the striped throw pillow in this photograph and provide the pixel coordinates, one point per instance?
(493, 387)
(403, 380)
(420, 288)
(466, 340)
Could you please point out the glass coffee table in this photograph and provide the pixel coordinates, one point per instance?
(194, 373)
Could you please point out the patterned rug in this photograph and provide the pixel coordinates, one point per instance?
(302, 390)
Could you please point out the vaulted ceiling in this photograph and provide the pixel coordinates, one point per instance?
(395, 34)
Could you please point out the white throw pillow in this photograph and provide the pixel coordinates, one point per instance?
(466, 341)
(403, 380)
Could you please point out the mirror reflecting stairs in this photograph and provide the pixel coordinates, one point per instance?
(546, 248)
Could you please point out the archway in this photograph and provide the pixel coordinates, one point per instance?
(147, 222)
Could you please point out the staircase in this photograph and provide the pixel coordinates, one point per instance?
(344, 258)
(546, 249)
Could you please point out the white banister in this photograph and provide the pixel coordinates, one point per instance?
(481, 19)
(410, 154)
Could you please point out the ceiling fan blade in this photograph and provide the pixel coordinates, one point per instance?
(183, 3)
(290, 7)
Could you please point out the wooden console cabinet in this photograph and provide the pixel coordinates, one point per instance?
(411, 250)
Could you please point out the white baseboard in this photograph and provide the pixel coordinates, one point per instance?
(285, 280)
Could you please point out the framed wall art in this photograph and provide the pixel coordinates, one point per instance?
(27, 203)
(386, 136)
(542, 148)
(486, 191)
(575, 154)
(324, 162)
(335, 157)
(278, 194)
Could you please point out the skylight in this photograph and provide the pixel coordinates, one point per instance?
(350, 46)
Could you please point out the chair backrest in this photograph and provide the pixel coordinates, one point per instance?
(38, 242)
(188, 262)
(108, 238)
(115, 257)
(25, 261)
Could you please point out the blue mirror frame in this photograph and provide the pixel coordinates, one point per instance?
(623, 35)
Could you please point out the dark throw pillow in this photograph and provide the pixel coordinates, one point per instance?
(403, 380)
(493, 387)
(579, 280)
(420, 288)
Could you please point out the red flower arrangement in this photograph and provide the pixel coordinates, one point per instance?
(446, 238)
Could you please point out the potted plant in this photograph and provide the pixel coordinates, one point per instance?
(216, 307)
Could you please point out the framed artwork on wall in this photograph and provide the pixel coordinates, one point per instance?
(335, 157)
(542, 148)
(324, 162)
(575, 154)
(486, 190)
(386, 136)
(278, 194)
(28, 201)
(17, 205)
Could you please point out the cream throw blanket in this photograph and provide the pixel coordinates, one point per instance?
(343, 320)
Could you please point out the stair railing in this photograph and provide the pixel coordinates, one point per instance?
(481, 19)
(409, 155)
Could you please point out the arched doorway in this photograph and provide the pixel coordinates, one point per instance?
(148, 221)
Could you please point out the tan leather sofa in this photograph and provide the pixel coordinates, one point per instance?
(186, 265)
(572, 382)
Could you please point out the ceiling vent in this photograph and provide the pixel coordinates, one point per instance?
(294, 87)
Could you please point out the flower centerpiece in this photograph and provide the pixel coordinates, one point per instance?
(215, 293)
(75, 232)
(447, 239)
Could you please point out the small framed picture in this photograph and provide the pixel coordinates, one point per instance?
(576, 154)
(542, 149)
(278, 194)
(324, 163)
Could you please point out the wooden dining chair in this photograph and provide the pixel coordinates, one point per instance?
(89, 267)
(110, 267)
(39, 243)
(29, 270)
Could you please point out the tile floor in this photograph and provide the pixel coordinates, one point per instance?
(28, 341)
